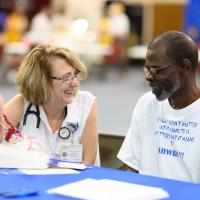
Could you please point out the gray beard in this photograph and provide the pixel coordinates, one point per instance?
(166, 94)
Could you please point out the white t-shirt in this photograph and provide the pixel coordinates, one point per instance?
(77, 113)
(162, 141)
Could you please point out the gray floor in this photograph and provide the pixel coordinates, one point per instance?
(116, 96)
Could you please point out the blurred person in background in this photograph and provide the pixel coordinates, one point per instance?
(16, 24)
(114, 31)
(115, 24)
(50, 107)
(61, 21)
(13, 47)
(41, 27)
(119, 21)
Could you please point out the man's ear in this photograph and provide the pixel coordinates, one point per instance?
(186, 65)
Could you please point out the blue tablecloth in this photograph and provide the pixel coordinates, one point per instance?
(176, 189)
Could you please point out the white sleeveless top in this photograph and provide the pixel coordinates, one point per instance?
(77, 113)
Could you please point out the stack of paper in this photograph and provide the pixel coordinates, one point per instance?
(14, 157)
(109, 189)
(34, 162)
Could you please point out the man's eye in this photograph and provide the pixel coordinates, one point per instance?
(161, 71)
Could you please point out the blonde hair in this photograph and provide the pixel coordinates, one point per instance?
(34, 75)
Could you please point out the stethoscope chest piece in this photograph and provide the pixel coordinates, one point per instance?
(64, 133)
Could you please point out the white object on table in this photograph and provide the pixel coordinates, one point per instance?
(109, 189)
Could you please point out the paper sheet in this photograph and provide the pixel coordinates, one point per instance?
(109, 189)
(48, 171)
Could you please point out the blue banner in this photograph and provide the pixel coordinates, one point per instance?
(192, 20)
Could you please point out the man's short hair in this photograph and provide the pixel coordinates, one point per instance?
(178, 46)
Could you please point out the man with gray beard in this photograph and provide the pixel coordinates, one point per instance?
(170, 69)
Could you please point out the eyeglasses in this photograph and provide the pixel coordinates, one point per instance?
(155, 71)
(67, 78)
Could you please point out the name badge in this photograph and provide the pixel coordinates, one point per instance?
(72, 153)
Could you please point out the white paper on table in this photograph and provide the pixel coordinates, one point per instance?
(109, 189)
(71, 165)
(48, 171)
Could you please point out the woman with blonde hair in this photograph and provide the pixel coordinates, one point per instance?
(51, 108)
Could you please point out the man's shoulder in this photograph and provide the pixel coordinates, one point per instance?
(147, 102)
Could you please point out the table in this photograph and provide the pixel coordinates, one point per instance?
(176, 189)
